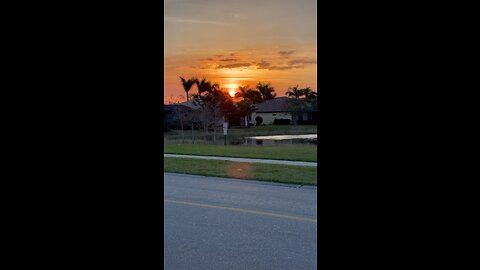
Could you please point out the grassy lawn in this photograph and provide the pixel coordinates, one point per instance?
(289, 152)
(253, 171)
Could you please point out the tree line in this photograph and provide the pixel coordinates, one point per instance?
(263, 91)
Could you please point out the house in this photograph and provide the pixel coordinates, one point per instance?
(284, 110)
(184, 114)
(174, 115)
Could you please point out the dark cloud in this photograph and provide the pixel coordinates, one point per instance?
(236, 65)
(302, 61)
(267, 65)
(263, 65)
(284, 67)
(232, 54)
(280, 67)
(228, 60)
(286, 53)
(210, 59)
(219, 55)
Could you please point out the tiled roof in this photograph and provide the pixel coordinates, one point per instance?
(190, 104)
(276, 105)
(273, 105)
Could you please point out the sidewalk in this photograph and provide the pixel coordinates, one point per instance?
(249, 160)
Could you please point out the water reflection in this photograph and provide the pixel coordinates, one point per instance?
(253, 140)
(285, 137)
(282, 139)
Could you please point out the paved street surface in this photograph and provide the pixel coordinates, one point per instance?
(220, 223)
(249, 160)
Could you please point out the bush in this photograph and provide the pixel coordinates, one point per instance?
(281, 122)
(307, 122)
(259, 120)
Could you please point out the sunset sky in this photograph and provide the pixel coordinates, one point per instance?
(240, 42)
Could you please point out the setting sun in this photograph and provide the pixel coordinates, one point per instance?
(231, 92)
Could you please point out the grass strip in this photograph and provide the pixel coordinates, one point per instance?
(240, 170)
(296, 152)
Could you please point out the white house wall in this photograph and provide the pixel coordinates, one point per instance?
(268, 118)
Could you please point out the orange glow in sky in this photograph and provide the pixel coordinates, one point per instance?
(234, 44)
(229, 85)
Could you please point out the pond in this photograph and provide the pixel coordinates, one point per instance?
(282, 139)
(279, 140)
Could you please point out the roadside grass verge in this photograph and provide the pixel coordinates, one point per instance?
(291, 152)
(301, 175)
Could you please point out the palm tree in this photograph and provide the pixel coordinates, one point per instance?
(246, 109)
(242, 93)
(266, 91)
(294, 91)
(254, 96)
(201, 86)
(187, 84)
(309, 94)
(251, 95)
(214, 87)
(205, 86)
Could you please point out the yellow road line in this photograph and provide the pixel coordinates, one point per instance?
(243, 210)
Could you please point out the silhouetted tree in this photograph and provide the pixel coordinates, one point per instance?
(314, 103)
(242, 92)
(296, 106)
(187, 84)
(309, 94)
(295, 92)
(205, 86)
(184, 115)
(266, 91)
(251, 95)
(214, 105)
(246, 109)
(254, 96)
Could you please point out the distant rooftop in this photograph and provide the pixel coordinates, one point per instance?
(275, 105)
(188, 104)
(272, 105)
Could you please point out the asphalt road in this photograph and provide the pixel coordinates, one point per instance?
(219, 223)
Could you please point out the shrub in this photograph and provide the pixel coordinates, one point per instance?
(307, 122)
(281, 122)
(259, 120)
